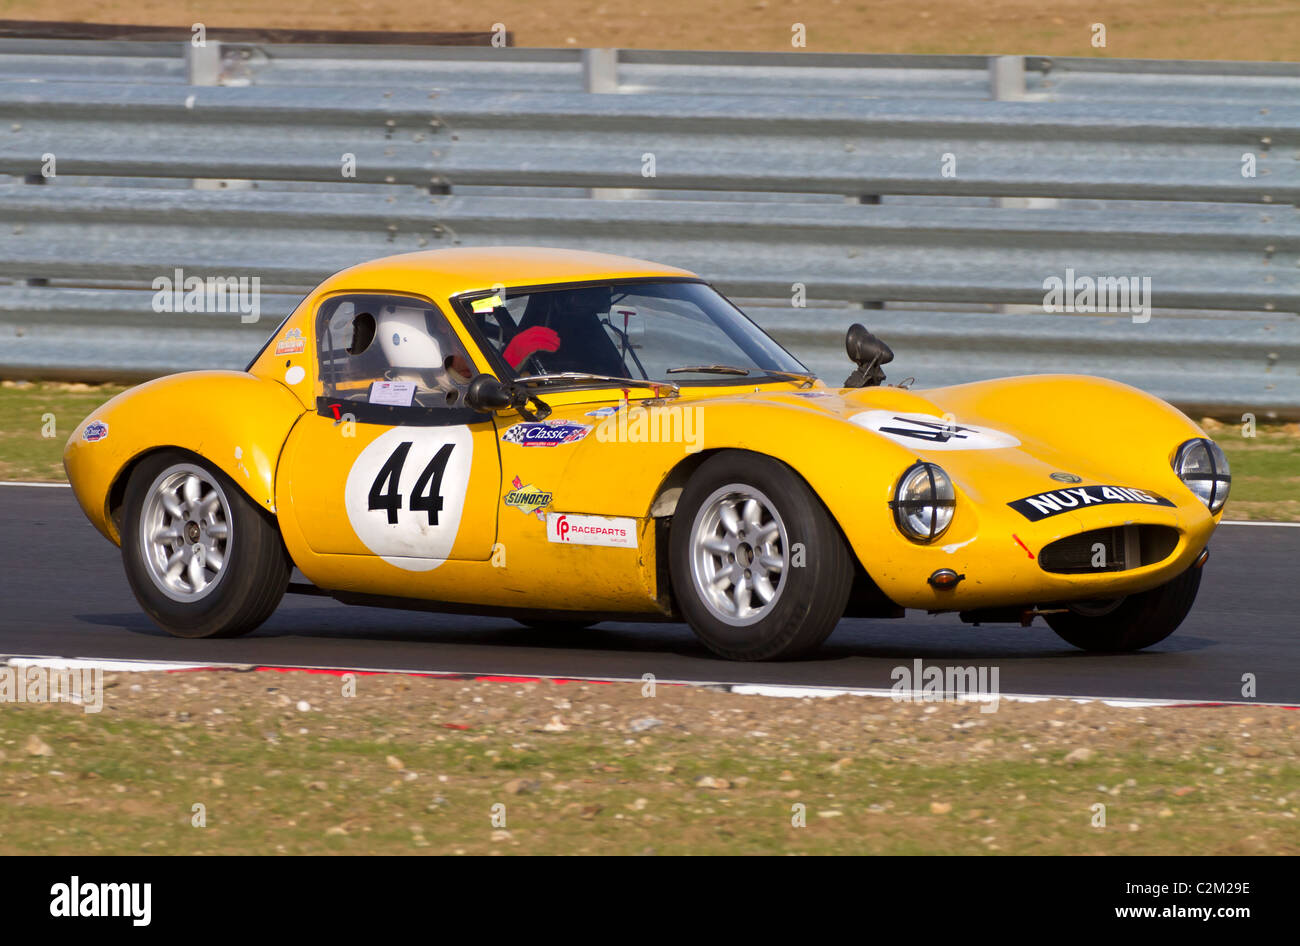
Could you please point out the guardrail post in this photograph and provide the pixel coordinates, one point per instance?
(1006, 78)
(203, 67)
(600, 70)
(203, 63)
(600, 76)
(35, 179)
(873, 199)
(1007, 84)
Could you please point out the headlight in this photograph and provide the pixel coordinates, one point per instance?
(1201, 465)
(923, 502)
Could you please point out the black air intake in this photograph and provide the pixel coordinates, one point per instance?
(1113, 549)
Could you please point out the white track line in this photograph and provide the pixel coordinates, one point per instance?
(1260, 522)
(780, 690)
(92, 663)
(42, 485)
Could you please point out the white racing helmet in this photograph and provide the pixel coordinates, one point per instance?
(403, 333)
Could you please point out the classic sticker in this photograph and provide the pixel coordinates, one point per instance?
(527, 498)
(568, 528)
(406, 492)
(931, 432)
(95, 431)
(1057, 501)
(545, 433)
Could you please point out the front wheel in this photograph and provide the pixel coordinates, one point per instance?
(1130, 623)
(202, 559)
(759, 569)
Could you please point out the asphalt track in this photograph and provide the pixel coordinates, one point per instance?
(64, 594)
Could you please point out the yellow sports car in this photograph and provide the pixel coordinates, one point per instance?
(567, 437)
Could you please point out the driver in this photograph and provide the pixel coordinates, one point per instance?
(418, 348)
(528, 343)
(574, 315)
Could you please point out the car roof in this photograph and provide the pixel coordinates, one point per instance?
(462, 269)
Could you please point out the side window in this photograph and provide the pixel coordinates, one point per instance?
(390, 351)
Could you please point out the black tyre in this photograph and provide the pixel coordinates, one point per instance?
(202, 559)
(759, 569)
(1130, 623)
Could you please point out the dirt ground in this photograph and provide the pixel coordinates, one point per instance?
(292, 762)
(1148, 29)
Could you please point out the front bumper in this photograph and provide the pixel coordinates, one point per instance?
(1000, 555)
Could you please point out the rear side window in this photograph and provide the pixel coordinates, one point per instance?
(390, 351)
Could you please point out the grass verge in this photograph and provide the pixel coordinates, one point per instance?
(35, 421)
(286, 763)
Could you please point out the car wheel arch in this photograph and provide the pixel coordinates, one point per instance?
(115, 498)
(669, 491)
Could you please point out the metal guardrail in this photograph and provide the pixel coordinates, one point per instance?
(509, 68)
(811, 145)
(836, 252)
(825, 186)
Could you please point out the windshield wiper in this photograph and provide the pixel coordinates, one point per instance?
(807, 379)
(709, 369)
(586, 376)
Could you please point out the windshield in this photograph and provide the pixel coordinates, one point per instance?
(682, 332)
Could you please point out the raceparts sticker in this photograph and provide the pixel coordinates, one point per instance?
(931, 432)
(545, 433)
(571, 529)
(406, 491)
(1057, 501)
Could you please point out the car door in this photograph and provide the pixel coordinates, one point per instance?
(392, 464)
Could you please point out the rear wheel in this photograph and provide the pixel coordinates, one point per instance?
(1131, 623)
(202, 559)
(759, 569)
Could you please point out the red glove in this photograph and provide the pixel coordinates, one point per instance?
(528, 342)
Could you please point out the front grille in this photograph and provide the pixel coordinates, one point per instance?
(1113, 549)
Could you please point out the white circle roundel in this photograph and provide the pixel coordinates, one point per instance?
(406, 491)
(931, 432)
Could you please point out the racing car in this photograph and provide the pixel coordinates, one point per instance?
(564, 438)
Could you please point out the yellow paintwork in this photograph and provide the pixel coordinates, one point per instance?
(234, 420)
(317, 460)
(1105, 432)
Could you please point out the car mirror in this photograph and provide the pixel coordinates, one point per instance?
(487, 394)
(864, 348)
(867, 352)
